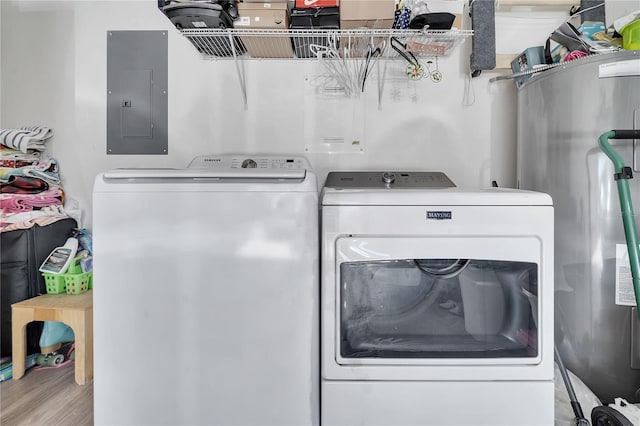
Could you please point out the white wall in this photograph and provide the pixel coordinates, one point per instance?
(0, 67)
(53, 73)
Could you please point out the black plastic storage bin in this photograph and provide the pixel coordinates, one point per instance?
(205, 16)
(22, 251)
(316, 18)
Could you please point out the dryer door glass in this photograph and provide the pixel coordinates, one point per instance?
(438, 308)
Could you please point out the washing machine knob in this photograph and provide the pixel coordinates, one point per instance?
(388, 177)
(249, 164)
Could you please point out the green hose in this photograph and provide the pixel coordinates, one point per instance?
(622, 176)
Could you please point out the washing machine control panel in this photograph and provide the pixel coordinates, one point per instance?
(388, 179)
(249, 162)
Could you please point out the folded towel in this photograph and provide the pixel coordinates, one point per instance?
(26, 220)
(14, 203)
(46, 169)
(23, 185)
(26, 138)
(13, 158)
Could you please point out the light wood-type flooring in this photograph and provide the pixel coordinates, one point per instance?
(46, 397)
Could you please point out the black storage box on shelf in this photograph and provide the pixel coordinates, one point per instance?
(206, 16)
(22, 251)
(433, 21)
(319, 18)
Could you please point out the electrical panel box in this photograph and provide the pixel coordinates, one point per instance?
(137, 111)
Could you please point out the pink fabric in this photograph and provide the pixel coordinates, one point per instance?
(15, 203)
(574, 54)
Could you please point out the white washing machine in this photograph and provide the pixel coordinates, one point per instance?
(206, 294)
(436, 302)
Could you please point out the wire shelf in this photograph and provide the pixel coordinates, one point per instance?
(303, 44)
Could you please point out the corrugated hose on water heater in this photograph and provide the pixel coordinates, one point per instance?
(622, 174)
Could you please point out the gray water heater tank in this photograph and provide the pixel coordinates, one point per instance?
(561, 114)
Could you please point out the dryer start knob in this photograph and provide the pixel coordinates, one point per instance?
(388, 177)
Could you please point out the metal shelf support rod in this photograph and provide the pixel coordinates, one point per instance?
(381, 79)
(240, 71)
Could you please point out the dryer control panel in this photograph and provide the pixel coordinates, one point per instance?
(389, 179)
(249, 162)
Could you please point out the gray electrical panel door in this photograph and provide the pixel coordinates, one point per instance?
(137, 111)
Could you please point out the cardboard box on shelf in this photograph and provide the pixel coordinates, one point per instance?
(366, 13)
(383, 24)
(457, 23)
(261, 16)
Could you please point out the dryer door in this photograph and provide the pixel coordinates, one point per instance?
(430, 302)
(438, 308)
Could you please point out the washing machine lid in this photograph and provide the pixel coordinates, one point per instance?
(204, 174)
(227, 168)
(418, 189)
(217, 173)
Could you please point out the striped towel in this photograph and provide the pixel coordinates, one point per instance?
(25, 138)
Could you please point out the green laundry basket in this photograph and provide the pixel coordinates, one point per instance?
(74, 281)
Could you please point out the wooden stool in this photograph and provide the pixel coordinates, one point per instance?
(74, 310)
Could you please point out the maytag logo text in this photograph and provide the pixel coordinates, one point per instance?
(438, 215)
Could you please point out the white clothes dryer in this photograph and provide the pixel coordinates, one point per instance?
(436, 302)
(206, 293)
